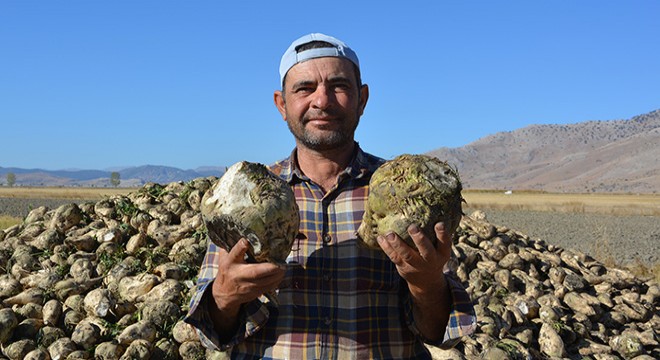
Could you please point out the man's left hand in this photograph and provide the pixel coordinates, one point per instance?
(421, 267)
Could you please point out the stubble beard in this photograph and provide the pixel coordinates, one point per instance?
(328, 140)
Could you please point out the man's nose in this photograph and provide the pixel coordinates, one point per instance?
(323, 97)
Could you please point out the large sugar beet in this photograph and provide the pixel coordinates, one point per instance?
(250, 202)
(411, 189)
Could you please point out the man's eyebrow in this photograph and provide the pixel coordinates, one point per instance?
(335, 79)
(339, 78)
(303, 83)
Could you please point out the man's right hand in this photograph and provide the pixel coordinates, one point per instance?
(238, 282)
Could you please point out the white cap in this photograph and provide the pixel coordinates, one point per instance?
(339, 49)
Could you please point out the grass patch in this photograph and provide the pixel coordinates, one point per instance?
(9, 221)
(643, 271)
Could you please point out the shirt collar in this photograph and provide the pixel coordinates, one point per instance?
(362, 164)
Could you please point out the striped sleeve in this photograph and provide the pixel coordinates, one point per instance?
(462, 318)
(253, 316)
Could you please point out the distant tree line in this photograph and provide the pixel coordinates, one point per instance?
(115, 179)
(11, 179)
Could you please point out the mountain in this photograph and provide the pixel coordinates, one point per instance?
(158, 174)
(129, 177)
(591, 156)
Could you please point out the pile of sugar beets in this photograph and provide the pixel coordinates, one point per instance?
(112, 280)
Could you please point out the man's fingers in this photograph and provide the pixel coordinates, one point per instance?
(396, 249)
(443, 235)
(257, 274)
(444, 239)
(423, 244)
(262, 273)
(386, 245)
(237, 253)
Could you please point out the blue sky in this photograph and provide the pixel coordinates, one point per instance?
(103, 84)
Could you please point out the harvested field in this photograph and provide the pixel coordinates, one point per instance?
(20, 207)
(618, 229)
(608, 204)
(621, 240)
(67, 193)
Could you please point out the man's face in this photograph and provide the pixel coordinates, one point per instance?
(322, 103)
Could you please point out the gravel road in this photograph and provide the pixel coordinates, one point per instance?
(622, 239)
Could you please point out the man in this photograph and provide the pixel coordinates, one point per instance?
(337, 299)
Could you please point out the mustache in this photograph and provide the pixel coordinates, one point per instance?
(320, 115)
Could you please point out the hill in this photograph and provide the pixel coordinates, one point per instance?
(591, 156)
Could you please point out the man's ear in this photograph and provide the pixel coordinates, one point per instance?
(280, 103)
(364, 97)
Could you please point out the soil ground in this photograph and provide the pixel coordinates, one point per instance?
(621, 239)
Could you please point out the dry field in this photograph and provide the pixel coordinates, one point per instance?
(607, 204)
(621, 230)
(34, 195)
(65, 193)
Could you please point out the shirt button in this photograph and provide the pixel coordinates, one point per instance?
(327, 321)
(326, 277)
(327, 238)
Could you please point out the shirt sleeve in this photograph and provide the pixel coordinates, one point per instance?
(462, 317)
(252, 317)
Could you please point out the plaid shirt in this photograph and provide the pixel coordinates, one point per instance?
(338, 300)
